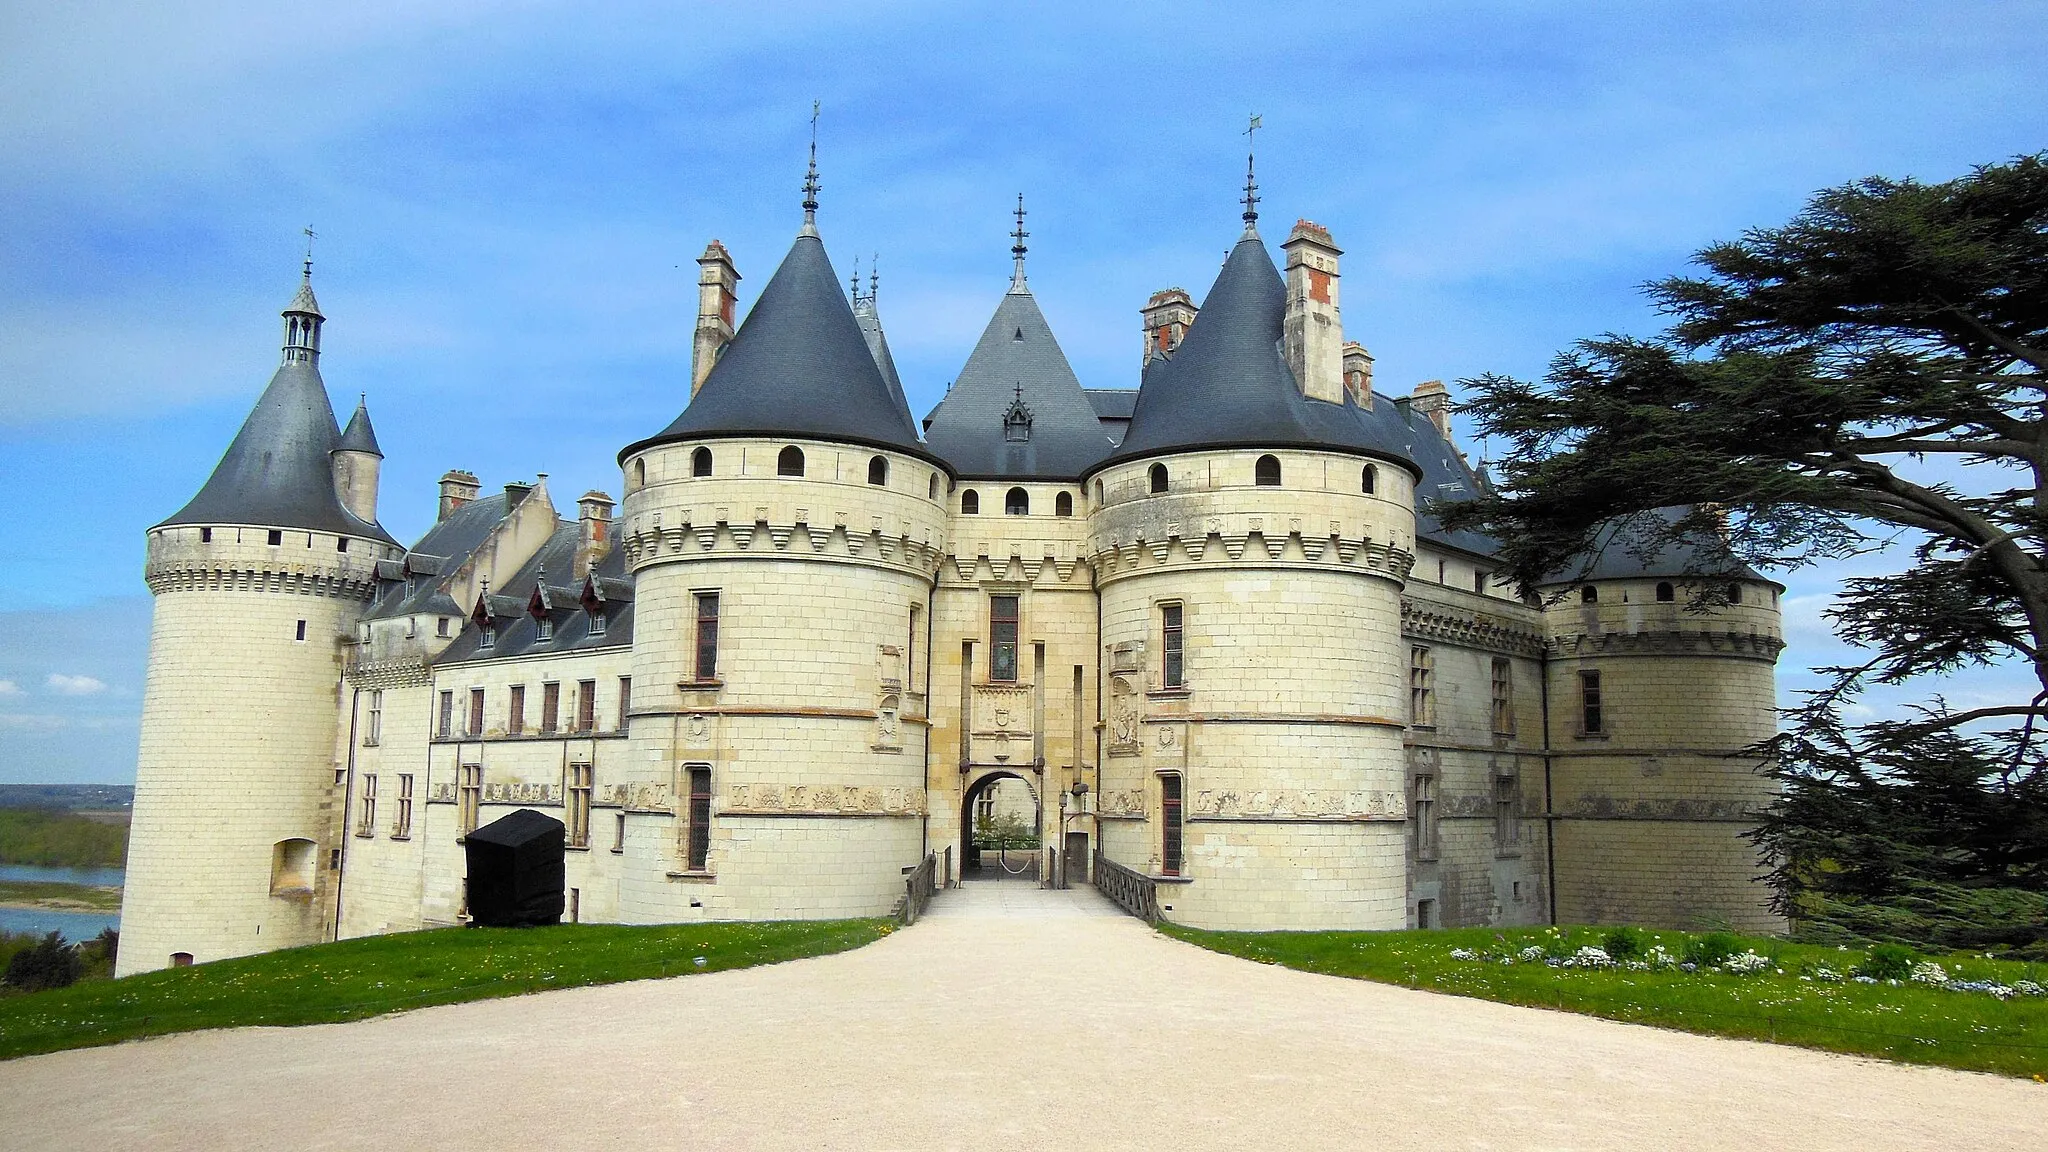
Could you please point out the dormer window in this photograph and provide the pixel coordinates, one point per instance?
(547, 628)
(597, 624)
(1017, 419)
(489, 640)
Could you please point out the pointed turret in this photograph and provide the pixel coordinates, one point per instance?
(357, 461)
(279, 472)
(870, 321)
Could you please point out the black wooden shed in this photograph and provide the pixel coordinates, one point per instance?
(515, 871)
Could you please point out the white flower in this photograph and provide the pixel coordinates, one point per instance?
(1463, 954)
(2027, 988)
(1928, 972)
(1591, 957)
(1745, 963)
(1532, 953)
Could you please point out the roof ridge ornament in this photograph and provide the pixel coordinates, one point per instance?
(1017, 418)
(1251, 184)
(811, 185)
(1017, 250)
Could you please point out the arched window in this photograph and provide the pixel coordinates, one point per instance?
(1017, 502)
(1734, 592)
(1266, 473)
(1369, 480)
(970, 503)
(291, 867)
(637, 478)
(790, 462)
(878, 470)
(700, 462)
(932, 491)
(1063, 504)
(1589, 595)
(1158, 479)
(1664, 592)
(1098, 493)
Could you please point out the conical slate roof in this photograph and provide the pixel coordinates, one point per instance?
(1017, 350)
(1628, 548)
(359, 436)
(1228, 386)
(277, 472)
(798, 366)
(870, 322)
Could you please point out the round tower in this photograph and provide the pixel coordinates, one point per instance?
(257, 581)
(783, 533)
(1250, 538)
(1661, 671)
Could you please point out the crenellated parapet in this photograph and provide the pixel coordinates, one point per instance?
(1471, 628)
(230, 558)
(1671, 642)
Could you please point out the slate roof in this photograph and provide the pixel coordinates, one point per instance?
(1227, 384)
(1113, 408)
(870, 322)
(415, 588)
(1017, 350)
(277, 472)
(359, 436)
(1445, 477)
(1625, 550)
(511, 604)
(798, 366)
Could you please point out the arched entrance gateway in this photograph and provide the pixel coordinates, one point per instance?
(1002, 827)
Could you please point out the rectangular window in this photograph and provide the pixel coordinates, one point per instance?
(1425, 817)
(550, 708)
(1591, 721)
(586, 705)
(401, 828)
(579, 806)
(1421, 687)
(1169, 825)
(1479, 582)
(619, 832)
(1172, 664)
(366, 808)
(575, 905)
(1507, 824)
(1503, 695)
(1002, 638)
(476, 711)
(910, 652)
(302, 631)
(700, 820)
(447, 726)
(469, 797)
(515, 714)
(373, 724)
(276, 536)
(1425, 914)
(625, 700)
(441, 627)
(707, 635)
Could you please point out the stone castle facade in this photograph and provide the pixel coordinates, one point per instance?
(1210, 624)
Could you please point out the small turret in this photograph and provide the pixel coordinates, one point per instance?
(302, 320)
(357, 462)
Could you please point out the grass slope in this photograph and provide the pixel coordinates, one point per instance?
(1903, 1021)
(371, 976)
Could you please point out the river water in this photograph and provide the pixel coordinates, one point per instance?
(75, 926)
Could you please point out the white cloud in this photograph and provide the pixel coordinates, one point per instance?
(9, 688)
(64, 685)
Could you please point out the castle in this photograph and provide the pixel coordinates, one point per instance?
(1210, 624)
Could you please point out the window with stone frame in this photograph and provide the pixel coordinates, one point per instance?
(1172, 646)
(515, 711)
(1592, 713)
(401, 826)
(1421, 687)
(1507, 809)
(586, 705)
(366, 806)
(447, 725)
(1171, 861)
(698, 847)
(469, 796)
(476, 711)
(373, 722)
(1503, 696)
(1423, 815)
(550, 708)
(707, 636)
(1002, 639)
(578, 810)
(625, 701)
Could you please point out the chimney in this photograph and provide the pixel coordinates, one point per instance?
(515, 491)
(594, 543)
(717, 284)
(1168, 315)
(1358, 374)
(457, 488)
(1314, 335)
(1432, 401)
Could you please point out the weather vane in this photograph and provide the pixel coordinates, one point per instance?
(1017, 249)
(811, 177)
(310, 237)
(1251, 186)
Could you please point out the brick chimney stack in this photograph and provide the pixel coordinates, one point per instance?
(457, 488)
(717, 295)
(1358, 373)
(1168, 315)
(594, 516)
(1433, 401)
(1314, 333)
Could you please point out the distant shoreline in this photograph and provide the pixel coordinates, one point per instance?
(45, 896)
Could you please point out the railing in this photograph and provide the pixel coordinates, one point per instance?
(919, 884)
(1130, 890)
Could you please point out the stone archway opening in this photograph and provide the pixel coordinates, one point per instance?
(1002, 825)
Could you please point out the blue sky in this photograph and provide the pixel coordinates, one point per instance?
(510, 198)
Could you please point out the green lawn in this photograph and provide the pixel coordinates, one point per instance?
(51, 894)
(1900, 1021)
(374, 975)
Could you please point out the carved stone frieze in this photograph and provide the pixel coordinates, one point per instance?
(639, 796)
(1124, 802)
(521, 792)
(1674, 643)
(1471, 629)
(823, 800)
(1293, 803)
(410, 672)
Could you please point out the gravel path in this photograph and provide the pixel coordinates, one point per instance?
(1008, 1019)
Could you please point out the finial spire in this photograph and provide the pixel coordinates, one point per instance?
(1017, 249)
(810, 227)
(874, 276)
(853, 284)
(310, 237)
(1251, 184)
